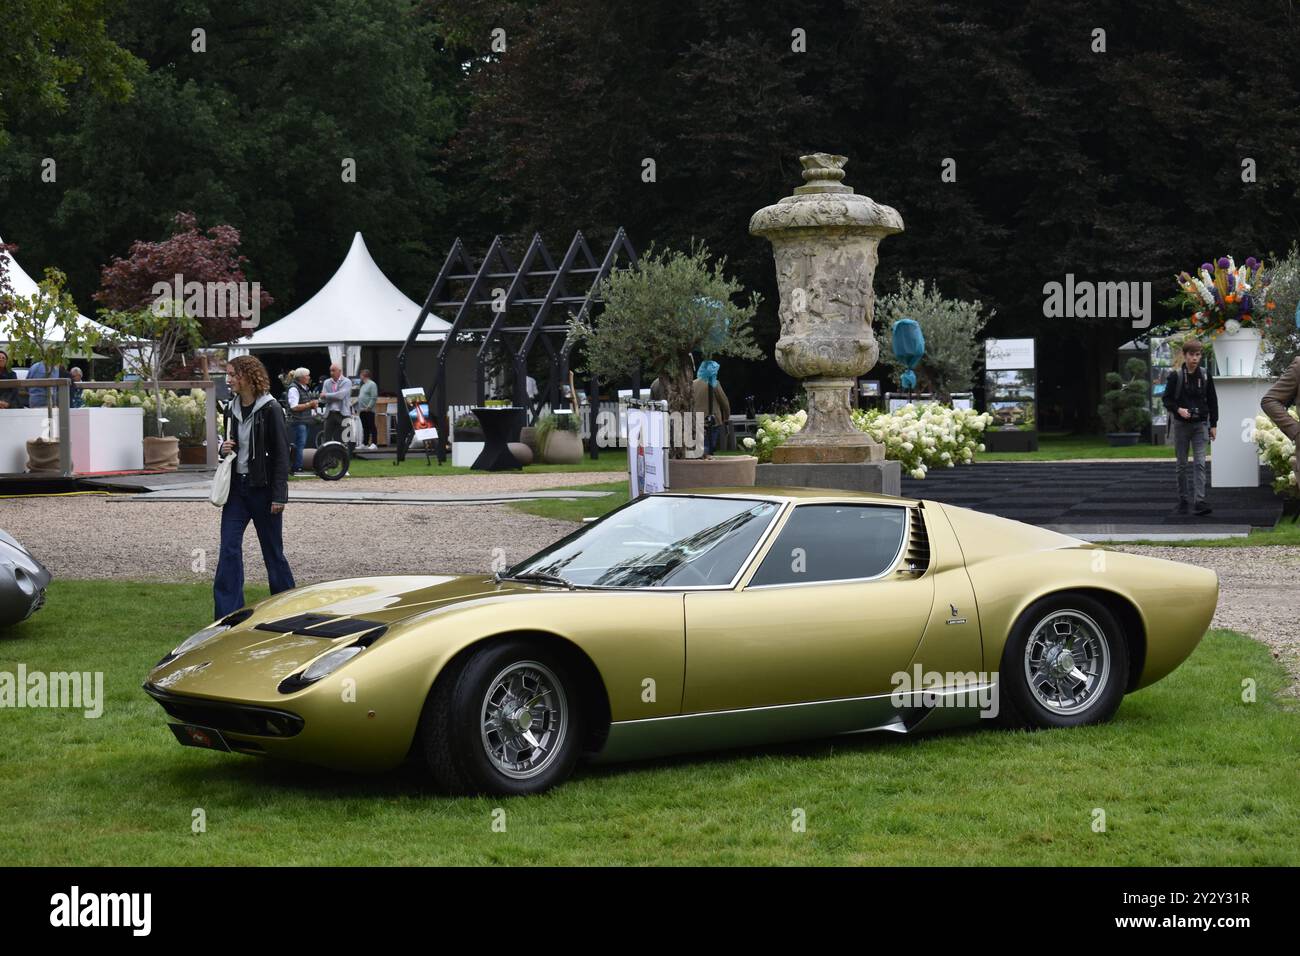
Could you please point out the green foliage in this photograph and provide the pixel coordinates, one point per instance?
(157, 335)
(47, 47)
(1125, 406)
(654, 319)
(39, 321)
(951, 328)
(1279, 328)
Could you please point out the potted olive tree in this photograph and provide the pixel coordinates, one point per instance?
(656, 316)
(1125, 409)
(45, 327)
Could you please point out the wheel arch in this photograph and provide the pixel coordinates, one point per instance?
(1125, 611)
(591, 686)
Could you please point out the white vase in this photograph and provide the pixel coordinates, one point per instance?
(1237, 353)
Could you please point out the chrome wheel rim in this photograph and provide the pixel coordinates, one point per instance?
(524, 719)
(1067, 662)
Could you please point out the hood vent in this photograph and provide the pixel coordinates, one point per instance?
(319, 625)
(916, 557)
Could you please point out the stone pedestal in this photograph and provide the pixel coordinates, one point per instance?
(1236, 459)
(882, 477)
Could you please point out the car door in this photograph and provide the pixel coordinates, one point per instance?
(826, 615)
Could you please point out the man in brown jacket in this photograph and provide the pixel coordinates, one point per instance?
(1278, 399)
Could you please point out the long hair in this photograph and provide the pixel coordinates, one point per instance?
(251, 369)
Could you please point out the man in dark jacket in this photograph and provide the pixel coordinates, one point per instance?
(1194, 418)
(9, 397)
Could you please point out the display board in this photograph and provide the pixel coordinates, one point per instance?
(1011, 394)
(1160, 361)
(647, 431)
(417, 408)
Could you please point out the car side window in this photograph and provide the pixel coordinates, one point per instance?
(833, 543)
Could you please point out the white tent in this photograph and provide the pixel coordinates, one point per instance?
(25, 287)
(358, 306)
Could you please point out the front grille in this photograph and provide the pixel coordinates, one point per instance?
(220, 715)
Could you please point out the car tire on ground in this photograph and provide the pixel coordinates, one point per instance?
(504, 719)
(1065, 664)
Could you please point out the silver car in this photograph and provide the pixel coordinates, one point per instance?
(23, 581)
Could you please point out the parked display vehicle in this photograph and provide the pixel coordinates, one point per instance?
(691, 621)
(23, 581)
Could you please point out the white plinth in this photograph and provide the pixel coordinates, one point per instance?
(107, 439)
(1236, 456)
(17, 426)
(463, 453)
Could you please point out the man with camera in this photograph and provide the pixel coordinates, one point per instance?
(1194, 417)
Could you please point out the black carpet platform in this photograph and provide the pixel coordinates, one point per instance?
(1077, 494)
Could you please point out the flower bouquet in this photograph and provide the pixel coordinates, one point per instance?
(1225, 298)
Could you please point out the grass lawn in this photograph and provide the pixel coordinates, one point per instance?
(1062, 447)
(579, 508)
(1284, 533)
(1187, 774)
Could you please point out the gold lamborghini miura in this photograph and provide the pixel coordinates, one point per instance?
(690, 621)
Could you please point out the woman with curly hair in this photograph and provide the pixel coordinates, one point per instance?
(259, 483)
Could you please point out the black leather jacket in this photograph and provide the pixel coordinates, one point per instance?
(268, 460)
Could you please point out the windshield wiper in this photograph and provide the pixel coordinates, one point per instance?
(539, 576)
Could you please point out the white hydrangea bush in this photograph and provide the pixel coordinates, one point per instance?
(918, 437)
(1278, 452)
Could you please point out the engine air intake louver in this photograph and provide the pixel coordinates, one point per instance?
(916, 558)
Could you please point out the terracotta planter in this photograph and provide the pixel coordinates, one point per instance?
(563, 448)
(728, 471)
(193, 455)
(162, 453)
(42, 455)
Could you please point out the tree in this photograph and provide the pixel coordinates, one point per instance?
(951, 328)
(658, 314)
(48, 46)
(1125, 407)
(45, 327)
(134, 283)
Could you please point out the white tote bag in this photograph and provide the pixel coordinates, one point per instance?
(221, 478)
(221, 481)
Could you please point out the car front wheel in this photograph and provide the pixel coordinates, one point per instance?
(503, 720)
(1065, 664)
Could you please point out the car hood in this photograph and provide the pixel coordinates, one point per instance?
(249, 661)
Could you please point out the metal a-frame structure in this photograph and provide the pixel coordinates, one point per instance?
(481, 286)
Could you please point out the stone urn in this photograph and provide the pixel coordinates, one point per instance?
(825, 239)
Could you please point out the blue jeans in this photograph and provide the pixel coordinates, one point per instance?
(299, 432)
(248, 504)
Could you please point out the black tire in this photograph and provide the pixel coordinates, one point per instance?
(452, 739)
(1020, 705)
(331, 461)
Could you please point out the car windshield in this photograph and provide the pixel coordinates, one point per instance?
(657, 541)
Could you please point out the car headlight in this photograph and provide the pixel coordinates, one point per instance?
(202, 637)
(329, 663)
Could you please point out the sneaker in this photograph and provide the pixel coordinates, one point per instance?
(1203, 508)
(1182, 508)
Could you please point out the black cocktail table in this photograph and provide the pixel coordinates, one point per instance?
(501, 425)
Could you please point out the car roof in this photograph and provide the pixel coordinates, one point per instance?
(802, 495)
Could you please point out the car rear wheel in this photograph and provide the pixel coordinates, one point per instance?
(503, 720)
(1065, 664)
